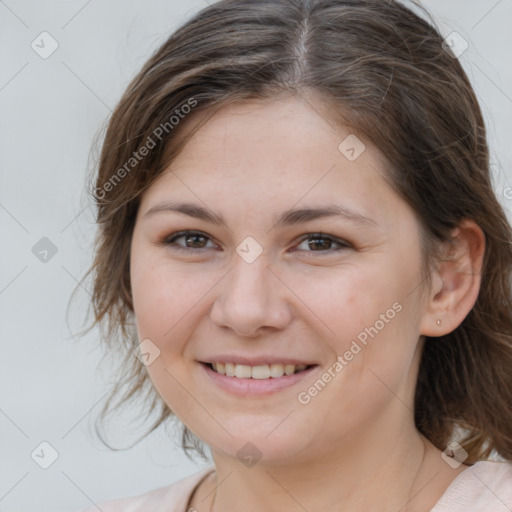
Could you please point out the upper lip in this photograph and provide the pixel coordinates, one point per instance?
(256, 361)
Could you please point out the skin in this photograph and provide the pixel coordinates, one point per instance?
(354, 446)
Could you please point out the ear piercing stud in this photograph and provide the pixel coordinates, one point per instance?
(438, 322)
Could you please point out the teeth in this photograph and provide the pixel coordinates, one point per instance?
(230, 369)
(265, 371)
(260, 372)
(276, 370)
(289, 369)
(242, 371)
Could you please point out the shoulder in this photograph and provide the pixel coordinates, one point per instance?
(485, 486)
(171, 498)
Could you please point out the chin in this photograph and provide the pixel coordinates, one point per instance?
(255, 446)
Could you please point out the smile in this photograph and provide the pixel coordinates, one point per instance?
(257, 380)
(265, 371)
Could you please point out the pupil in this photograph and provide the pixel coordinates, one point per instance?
(191, 238)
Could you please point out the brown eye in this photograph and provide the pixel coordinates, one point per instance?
(318, 242)
(192, 240)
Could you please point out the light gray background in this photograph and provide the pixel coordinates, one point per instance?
(52, 385)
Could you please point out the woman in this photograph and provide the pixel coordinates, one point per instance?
(300, 242)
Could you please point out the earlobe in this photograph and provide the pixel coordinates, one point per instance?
(456, 281)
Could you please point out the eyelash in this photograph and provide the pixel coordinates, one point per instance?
(171, 241)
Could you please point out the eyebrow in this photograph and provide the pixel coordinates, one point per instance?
(287, 218)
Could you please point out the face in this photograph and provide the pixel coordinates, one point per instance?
(237, 267)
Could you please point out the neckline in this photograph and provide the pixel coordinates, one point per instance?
(445, 496)
(207, 473)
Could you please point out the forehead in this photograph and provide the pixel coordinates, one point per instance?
(273, 151)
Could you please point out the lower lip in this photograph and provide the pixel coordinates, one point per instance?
(244, 387)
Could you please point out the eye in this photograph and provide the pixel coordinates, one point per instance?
(319, 242)
(192, 240)
(197, 240)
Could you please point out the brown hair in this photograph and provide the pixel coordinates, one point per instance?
(386, 74)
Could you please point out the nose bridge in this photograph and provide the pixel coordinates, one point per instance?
(250, 298)
(248, 285)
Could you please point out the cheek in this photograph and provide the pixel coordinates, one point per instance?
(166, 304)
(344, 301)
(167, 300)
(378, 353)
(154, 299)
(365, 315)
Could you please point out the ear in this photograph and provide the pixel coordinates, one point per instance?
(456, 280)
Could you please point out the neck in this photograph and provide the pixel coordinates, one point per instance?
(368, 473)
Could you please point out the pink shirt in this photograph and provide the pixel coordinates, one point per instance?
(484, 487)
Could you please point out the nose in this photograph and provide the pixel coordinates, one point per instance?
(251, 299)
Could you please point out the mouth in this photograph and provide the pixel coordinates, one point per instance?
(260, 372)
(255, 380)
